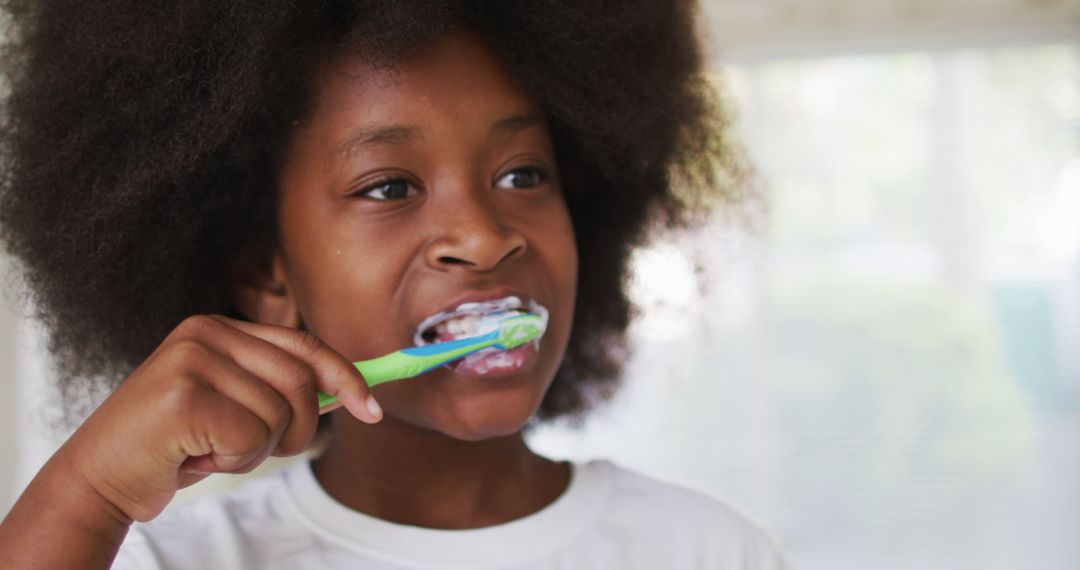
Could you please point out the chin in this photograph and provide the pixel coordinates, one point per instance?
(468, 409)
(487, 430)
(487, 423)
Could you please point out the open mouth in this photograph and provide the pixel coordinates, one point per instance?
(474, 319)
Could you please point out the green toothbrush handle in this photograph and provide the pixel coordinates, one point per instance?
(392, 367)
(414, 361)
(382, 369)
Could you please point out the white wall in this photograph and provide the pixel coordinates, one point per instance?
(10, 428)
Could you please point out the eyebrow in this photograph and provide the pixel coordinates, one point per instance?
(513, 124)
(379, 135)
(403, 134)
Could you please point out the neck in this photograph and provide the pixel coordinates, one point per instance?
(408, 475)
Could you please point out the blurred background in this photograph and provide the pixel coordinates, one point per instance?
(887, 372)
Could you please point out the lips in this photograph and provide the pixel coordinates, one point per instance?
(492, 362)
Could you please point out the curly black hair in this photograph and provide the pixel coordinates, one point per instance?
(140, 143)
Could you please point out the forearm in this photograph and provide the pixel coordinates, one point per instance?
(61, 522)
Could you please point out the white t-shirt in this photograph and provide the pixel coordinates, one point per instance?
(608, 517)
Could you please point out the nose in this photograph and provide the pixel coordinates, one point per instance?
(473, 234)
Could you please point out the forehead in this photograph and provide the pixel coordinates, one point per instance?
(455, 75)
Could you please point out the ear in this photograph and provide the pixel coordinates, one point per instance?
(262, 293)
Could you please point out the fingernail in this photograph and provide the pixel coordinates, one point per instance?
(374, 407)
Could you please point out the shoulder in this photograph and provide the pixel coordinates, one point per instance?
(720, 531)
(637, 490)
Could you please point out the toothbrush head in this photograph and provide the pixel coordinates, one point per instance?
(518, 330)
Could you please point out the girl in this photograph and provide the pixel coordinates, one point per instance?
(226, 203)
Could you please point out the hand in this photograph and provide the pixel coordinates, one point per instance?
(217, 396)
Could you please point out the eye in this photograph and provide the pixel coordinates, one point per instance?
(521, 178)
(393, 189)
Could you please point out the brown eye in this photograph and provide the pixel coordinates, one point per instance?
(521, 178)
(395, 189)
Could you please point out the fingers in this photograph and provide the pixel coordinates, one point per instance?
(334, 374)
(222, 435)
(288, 432)
(266, 368)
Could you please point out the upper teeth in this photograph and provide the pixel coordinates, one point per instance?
(463, 325)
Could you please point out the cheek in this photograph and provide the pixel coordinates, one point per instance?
(570, 257)
(344, 279)
(561, 251)
(568, 246)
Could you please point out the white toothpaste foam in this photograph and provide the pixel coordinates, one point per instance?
(489, 315)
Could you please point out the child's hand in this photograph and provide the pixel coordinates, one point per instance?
(218, 395)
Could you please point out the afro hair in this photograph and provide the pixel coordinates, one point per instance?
(140, 141)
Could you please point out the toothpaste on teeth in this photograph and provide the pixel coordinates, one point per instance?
(474, 319)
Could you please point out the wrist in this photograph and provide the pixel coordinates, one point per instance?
(86, 501)
(60, 521)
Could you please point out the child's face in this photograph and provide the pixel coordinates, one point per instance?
(462, 203)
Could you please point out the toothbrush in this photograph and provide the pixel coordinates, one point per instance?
(512, 332)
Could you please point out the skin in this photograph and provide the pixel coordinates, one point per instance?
(360, 264)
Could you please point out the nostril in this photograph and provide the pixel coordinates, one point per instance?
(513, 253)
(476, 250)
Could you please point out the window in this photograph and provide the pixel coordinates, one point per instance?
(889, 375)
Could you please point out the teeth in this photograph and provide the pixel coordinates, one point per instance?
(469, 324)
